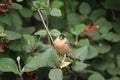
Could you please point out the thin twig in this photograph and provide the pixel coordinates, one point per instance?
(45, 25)
(113, 15)
(47, 22)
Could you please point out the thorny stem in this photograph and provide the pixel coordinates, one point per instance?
(45, 25)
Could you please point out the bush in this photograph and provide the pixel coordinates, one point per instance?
(28, 29)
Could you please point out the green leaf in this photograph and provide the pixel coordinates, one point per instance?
(41, 33)
(79, 66)
(36, 4)
(16, 22)
(8, 65)
(37, 17)
(55, 12)
(105, 26)
(84, 8)
(73, 19)
(26, 12)
(97, 14)
(28, 30)
(2, 34)
(83, 42)
(16, 6)
(96, 76)
(77, 29)
(15, 45)
(102, 47)
(55, 74)
(47, 58)
(116, 26)
(57, 4)
(111, 37)
(28, 43)
(19, 0)
(55, 32)
(101, 64)
(11, 35)
(81, 53)
(45, 11)
(114, 71)
(1, 29)
(92, 52)
(112, 4)
(114, 78)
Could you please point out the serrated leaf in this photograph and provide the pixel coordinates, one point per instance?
(55, 74)
(55, 32)
(96, 76)
(79, 66)
(42, 33)
(55, 12)
(81, 53)
(26, 12)
(16, 6)
(77, 29)
(8, 65)
(84, 8)
(11, 35)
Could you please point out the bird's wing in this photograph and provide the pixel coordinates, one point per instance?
(67, 42)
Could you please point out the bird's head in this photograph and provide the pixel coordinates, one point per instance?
(61, 37)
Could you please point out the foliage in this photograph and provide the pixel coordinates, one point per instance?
(91, 26)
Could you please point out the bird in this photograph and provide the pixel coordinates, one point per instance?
(62, 45)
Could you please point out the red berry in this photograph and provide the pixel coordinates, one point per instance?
(84, 31)
(88, 27)
(94, 27)
(66, 73)
(9, 7)
(31, 74)
(1, 47)
(89, 36)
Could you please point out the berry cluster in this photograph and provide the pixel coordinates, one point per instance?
(89, 27)
(6, 6)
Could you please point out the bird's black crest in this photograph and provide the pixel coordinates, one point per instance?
(61, 36)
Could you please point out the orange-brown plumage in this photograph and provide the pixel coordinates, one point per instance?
(61, 44)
